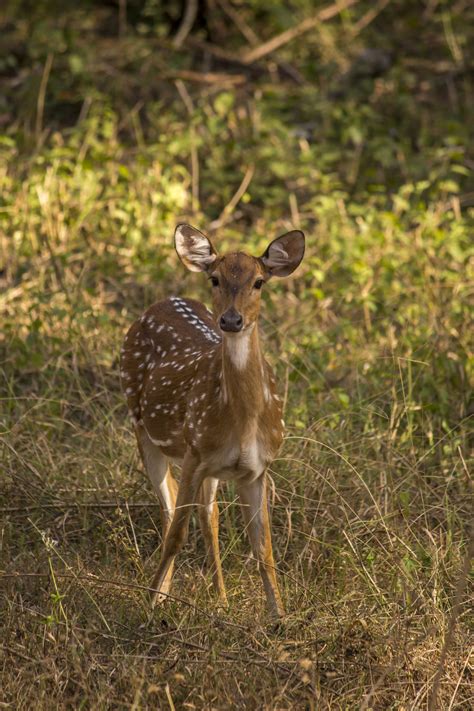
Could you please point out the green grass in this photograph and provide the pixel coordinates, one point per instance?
(371, 340)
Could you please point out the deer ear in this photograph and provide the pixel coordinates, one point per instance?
(194, 249)
(284, 254)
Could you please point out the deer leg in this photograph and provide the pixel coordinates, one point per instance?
(176, 537)
(163, 482)
(253, 498)
(209, 520)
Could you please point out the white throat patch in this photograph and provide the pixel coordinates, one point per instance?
(238, 348)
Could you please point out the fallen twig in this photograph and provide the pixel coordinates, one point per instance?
(206, 77)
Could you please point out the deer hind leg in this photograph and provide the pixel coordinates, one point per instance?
(176, 537)
(253, 498)
(209, 520)
(164, 484)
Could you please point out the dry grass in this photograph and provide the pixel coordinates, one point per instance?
(368, 576)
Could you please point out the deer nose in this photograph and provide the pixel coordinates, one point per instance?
(231, 320)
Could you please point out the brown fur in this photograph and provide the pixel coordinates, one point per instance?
(208, 398)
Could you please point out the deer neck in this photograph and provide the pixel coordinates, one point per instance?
(243, 385)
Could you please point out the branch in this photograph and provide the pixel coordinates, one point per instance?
(234, 201)
(186, 23)
(278, 41)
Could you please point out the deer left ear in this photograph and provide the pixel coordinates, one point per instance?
(194, 249)
(284, 254)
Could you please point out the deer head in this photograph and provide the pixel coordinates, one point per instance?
(237, 278)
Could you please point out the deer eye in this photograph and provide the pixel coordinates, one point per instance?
(258, 284)
(214, 281)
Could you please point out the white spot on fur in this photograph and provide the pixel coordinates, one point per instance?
(160, 442)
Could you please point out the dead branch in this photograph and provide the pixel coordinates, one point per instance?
(278, 41)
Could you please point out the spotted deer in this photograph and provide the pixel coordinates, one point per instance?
(200, 391)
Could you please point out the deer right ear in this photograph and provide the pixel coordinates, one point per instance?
(194, 249)
(284, 254)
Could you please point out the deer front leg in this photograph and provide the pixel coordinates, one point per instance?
(253, 498)
(177, 534)
(209, 520)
